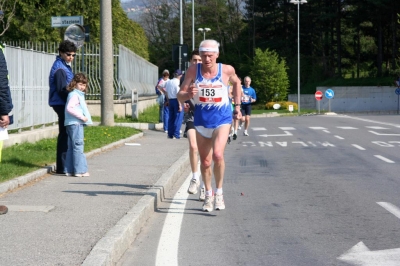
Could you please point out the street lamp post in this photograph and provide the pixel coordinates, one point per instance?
(298, 2)
(204, 31)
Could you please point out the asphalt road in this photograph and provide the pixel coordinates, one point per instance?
(309, 190)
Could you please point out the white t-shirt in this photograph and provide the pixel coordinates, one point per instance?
(172, 88)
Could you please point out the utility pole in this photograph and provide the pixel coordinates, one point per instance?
(106, 64)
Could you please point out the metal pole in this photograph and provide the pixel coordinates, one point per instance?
(204, 35)
(298, 56)
(107, 64)
(181, 23)
(180, 34)
(192, 25)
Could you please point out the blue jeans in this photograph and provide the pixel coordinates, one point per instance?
(160, 101)
(165, 117)
(75, 162)
(175, 119)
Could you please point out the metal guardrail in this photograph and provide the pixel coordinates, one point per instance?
(29, 66)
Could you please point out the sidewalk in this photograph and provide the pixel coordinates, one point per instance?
(59, 220)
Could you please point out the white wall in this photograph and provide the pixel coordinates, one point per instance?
(352, 99)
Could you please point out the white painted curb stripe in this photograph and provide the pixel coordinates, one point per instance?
(168, 246)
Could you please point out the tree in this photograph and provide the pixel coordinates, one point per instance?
(8, 10)
(32, 23)
(269, 76)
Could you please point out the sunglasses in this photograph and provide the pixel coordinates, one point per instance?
(68, 54)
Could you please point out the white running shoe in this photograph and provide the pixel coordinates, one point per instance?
(193, 186)
(202, 196)
(208, 204)
(219, 202)
(245, 133)
(239, 127)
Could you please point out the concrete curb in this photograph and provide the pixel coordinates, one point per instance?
(118, 239)
(22, 180)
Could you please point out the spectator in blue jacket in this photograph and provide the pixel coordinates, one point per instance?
(60, 76)
(5, 104)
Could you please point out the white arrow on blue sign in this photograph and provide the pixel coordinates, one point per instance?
(329, 94)
(397, 91)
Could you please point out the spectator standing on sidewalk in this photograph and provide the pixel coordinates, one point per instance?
(6, 105)
(249, 97)
(76, 117)
(60, 76)
(175, 107)
(196, 182)
(162, 102)
(212, 116)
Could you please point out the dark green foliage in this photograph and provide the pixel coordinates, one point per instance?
(32, 22)
(269, 76)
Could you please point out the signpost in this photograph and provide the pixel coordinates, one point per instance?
(57, 22)
(397, 91)
(329, 94)
(75, 31)
(318, 97)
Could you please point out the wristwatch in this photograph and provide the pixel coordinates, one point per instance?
(237, 104)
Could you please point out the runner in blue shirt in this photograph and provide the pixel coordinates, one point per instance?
(249, 97)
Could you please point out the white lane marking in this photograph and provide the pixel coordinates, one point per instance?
(347, 127)
(382, 134)
(287, 128)
(287, 133)
(361, 255)
(393, 209)
(358, 147)
(317, 128)
(338, 137)
(375, 127)
(326, 131)
(369, 120)
(258, 128)
(167, 251)
(383, 158)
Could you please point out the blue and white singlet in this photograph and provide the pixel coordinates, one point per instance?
(212, 105)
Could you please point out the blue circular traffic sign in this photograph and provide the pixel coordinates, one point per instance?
(329, 94)
(397, 91)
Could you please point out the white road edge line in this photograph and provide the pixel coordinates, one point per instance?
(358, 147)
(167, 251)
(383, 158)
(390, 208)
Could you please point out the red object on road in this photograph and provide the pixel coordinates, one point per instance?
(318, 95)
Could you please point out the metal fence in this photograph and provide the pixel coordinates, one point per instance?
(29, 66)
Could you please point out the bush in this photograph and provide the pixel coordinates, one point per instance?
(284, 105)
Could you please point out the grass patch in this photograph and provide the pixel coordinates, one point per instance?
(149, 115)
(24, 158)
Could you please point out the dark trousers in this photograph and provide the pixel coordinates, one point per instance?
(62, 139)
(175, 119)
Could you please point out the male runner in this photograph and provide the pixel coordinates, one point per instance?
(212, 116)
(249, 97)
(190, 131)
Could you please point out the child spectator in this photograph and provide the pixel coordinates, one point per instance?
(76, 117)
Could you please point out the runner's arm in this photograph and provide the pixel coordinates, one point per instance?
(187, 91)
